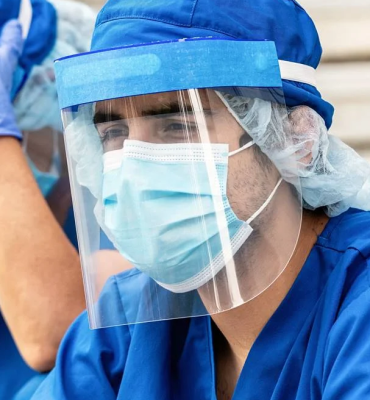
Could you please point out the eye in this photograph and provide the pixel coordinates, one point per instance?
(175, 126)
(114, 132)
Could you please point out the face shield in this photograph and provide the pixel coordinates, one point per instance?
(179, 213)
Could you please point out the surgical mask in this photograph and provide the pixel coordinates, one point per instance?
(45, 180)
(161, 212)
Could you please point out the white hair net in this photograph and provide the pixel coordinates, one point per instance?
(332, 175)
(36, 105)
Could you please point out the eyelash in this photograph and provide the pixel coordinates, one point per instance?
(117, 132)
(170, 126)
(108, 134)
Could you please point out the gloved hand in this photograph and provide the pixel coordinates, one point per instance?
(11, 45)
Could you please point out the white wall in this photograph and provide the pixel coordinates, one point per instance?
(344, 75)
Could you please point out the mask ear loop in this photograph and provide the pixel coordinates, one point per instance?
(265, 204)
(246, 146)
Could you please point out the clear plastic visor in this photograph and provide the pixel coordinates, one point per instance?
(181, 208)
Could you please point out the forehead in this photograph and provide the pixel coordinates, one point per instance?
(138, 106)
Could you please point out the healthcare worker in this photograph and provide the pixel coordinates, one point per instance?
(198, 143)
(40, 281)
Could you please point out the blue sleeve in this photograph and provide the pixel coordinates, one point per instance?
(89, 365)
(347, 361)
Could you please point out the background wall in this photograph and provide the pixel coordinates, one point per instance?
(344, 75)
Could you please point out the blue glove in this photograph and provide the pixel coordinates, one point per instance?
(11, 46)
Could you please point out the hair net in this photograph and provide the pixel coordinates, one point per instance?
(36, 106)
(332, 175)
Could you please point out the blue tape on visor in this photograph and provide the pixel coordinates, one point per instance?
(167, 66)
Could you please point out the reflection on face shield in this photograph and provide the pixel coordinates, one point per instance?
(166, 201)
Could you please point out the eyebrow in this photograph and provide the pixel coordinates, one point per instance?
(102, 117)
(171, 108)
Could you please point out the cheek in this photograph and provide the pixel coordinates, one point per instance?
(249, 184)
(244, 188)
(227, 130)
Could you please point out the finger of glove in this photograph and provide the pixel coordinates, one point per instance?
(11, 42)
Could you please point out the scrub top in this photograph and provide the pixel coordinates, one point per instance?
(13, 370)
(14, 373)
(315, 346)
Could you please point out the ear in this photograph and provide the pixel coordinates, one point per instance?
(308, 132)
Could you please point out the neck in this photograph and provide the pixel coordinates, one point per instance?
(239, 327)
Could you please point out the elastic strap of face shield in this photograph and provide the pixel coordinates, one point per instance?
(295, 72)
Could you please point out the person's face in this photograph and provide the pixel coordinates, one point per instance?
(172, 117)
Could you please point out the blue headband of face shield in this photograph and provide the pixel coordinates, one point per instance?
(167, 66)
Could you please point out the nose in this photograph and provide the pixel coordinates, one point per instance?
(143, 129)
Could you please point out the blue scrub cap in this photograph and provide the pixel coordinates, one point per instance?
(132, 22)
(42, 35)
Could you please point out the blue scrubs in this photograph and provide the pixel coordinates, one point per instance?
(14, 373)
(315, 346)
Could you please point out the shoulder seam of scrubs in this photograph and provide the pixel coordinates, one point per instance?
(342, 314)
(296, 72)
(367, 289)
(351, 304)
(342, 250)
(124, 275)
(324, 246)
(360, 253)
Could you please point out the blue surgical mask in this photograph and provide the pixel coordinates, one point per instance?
(167, 210)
